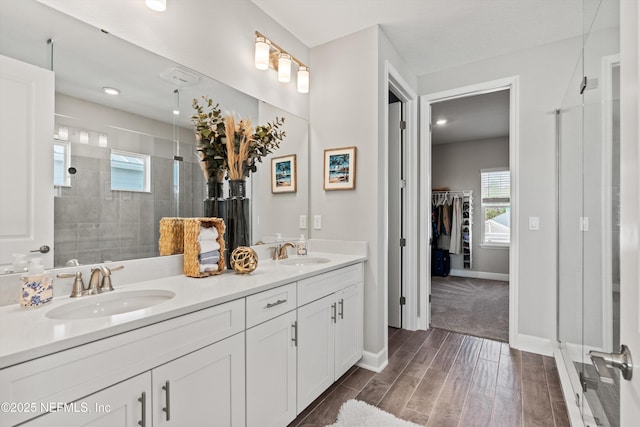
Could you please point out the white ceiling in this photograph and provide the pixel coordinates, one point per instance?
(432, 35)
(473, 118)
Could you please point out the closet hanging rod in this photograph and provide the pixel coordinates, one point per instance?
(453, 193)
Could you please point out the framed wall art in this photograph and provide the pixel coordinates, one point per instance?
(283, 174)
(340, 168)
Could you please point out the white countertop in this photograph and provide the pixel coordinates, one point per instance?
(26, 334)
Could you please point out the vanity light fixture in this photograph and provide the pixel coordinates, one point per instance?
(157, 5)
(111, 90)
(441, 122)
(284, 68)
(262, 53)
(268, 54)
(303, 79)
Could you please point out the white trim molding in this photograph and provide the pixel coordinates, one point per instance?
(511, 83)
(395, 83)
(375, 362)
(480, 275)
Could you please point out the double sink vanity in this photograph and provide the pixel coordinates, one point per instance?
(231, 350)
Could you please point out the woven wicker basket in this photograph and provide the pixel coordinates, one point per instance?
(192, 245)
(171, 236)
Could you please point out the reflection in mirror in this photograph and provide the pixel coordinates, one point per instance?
(143, 135)
(280, 212)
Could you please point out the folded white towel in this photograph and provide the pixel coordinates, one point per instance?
(209, 246)
(208, 267)
(208, 233)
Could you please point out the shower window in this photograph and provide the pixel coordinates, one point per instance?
(495, 188)
(130, 171)
(61, 162)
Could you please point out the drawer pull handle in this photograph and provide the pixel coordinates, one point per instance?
(333, 312)
(143, 399)
(341, 312)
(294, 325)
(167, 409)
(273, 304)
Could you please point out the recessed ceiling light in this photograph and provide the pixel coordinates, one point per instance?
(176, 112)
(157, 5)
(111, 91)
(441, 122)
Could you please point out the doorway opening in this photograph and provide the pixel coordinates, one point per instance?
(396, 210)
(469, 209)
(471, 214)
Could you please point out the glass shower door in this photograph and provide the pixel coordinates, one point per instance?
(588, 220)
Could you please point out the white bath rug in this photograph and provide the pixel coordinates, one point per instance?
(355, 413)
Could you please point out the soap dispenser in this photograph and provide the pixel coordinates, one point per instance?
(301, 246)
(20, 263)
(37, 286)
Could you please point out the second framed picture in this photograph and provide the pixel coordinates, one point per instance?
(340, 168)
(283, 174)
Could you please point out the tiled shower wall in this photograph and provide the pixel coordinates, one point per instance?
(93, 224)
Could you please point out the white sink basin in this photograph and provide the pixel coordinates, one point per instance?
(110, 304)
(303, 261)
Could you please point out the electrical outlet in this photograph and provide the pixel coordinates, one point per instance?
(303, 222)
(317, 222)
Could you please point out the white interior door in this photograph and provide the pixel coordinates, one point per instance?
(395, 216)
(26, 160)
(630, 208)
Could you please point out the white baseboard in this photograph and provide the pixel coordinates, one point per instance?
(533, 344)
(480, 275)
(375, 362)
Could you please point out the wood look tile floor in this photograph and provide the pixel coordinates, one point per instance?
(439, 378)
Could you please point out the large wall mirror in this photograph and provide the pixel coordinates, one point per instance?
(125, 161)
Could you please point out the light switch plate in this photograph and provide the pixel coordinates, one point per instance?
(534, 223)
(303, 222)
(317, 222)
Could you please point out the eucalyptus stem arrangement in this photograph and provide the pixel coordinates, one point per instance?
(228, 146)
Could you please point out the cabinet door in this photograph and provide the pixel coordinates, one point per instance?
(205, 387)
(117, 406)
(271, 372)
(348, 328)
(315, 349)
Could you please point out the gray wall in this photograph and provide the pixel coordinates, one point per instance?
(457, 166)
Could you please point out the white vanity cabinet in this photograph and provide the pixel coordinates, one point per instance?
(271, 357)
(126, 404)
(207, 343)
(205, 387)
(330, 329)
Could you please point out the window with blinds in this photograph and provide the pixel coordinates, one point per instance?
(495, 191)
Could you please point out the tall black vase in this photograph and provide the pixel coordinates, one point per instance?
(237, 219)
(214, 205)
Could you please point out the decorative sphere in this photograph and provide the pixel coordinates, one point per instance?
(244, 260)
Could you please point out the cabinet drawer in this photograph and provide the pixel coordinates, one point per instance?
(71, 374)
(269, 304)
(321, 285)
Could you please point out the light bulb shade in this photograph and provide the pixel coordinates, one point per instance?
(157, 5)
(303, 79)
(262, 54)
(284, 67)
